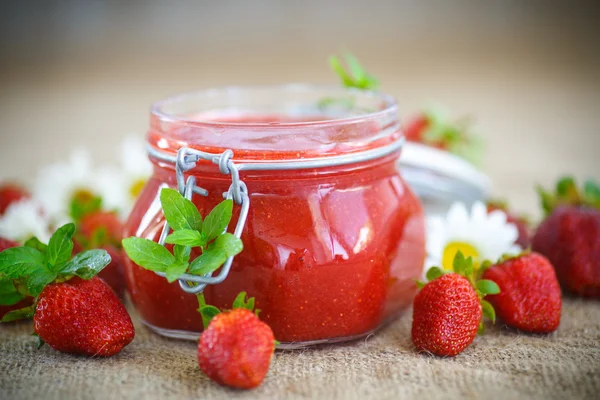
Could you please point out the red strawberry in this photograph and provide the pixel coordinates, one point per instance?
(569, 236)
(519, 221)
(446, 316)
(73, 310)
(447, 312)
(529, 298)
(101, 229)
(236, 348)
(10, 193)
(83, 317)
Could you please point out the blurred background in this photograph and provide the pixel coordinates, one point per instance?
(85, 73)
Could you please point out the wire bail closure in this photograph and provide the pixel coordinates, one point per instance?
(238, 192)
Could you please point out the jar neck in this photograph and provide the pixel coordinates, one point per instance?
(165, 171)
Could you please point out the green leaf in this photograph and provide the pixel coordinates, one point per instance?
(420, 284)
(148, 254)
(433, 273)
(22, 313)
(483, 267)
(241, 302)
(207, 312)
(591, 193)
(175, 271)
(17, 262)
(84, 205)
(179, 211)
(458, 264)
(566, 188)
(34, 243)
(230, 244)
(186, 237)
(86, 264)
(358, 77)
(208, 262)
(217, 220)
(481, 328)
(226, 245)
(9, 295)
(36, 282)
(60, 246)
(182, 253)
(485, 287)
(488, 310)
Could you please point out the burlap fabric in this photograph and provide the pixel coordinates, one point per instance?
(502, 364)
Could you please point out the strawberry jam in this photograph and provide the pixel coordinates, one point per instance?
(330, 253)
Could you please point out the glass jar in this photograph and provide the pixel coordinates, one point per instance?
(334, 238)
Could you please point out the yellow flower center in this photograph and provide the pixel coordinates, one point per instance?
(136, 188)
(454, 247)
(82, 196)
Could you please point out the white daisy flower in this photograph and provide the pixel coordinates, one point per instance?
(23, 220)
(59, 184)
(137, 169)
(479, 235)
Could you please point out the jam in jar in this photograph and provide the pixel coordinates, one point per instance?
(334, 238)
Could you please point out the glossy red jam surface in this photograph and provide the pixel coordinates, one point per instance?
(328, 253)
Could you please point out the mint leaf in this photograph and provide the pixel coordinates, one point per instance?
(22, 313)
(217, 220)
(226, 245)
(34, 243)
(9, 295)
(182, 253)
(358, 77)
(17, 262)
(148, 254)
(86, 264)
(37, 281)
(175, 271)
(229, 244)
(208, 262)
(485, 287)
(179, 211)
(60, 246)
(186, 237)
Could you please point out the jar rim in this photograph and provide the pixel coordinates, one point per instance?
(391, 106)
(289, 121)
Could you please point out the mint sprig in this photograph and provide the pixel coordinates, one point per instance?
(189, 232)
(29, 268)
(357, 77)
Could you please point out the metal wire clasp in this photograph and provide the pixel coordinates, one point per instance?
(186, 160)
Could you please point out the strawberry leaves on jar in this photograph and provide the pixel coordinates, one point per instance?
(26, 270)
(189, 232)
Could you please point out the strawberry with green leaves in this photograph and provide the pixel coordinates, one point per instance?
(569, 236)
(434, 129)
(448, 310)
(190, 233)
(236, 347)
(73, 311)
(529, 298)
